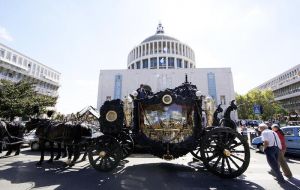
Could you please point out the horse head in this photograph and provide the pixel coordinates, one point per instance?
(219, 109)
(33, 123)
(85, 130)
(233, 105)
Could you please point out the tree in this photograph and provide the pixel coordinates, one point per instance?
(20, 99)
(264, 98)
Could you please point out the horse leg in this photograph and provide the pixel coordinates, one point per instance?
(64, 151)
(58, 151)
(76, 155)
(9, 150)
(18, 149)
(70, 153)
(51, 152)
(85, 153)
(42, 148)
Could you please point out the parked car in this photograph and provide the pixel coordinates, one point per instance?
(292, 140)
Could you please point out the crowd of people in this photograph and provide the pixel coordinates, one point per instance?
(274, 148)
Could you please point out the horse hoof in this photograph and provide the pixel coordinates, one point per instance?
(38, 163)
(17, 153)
(71, 164)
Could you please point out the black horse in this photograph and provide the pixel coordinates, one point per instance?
(226, 120)
(216, 120)
(11, 133)
(68, 134)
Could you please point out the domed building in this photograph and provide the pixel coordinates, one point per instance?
(161, 52)
(161, 62)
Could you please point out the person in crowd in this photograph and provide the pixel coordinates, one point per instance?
(272, 146)
(282, 162)
(141, 92)
(244, 129)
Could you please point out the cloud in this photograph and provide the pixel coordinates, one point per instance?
(5, 35)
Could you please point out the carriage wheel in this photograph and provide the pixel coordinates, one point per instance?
(126, 142)
(228, 123)
(196, 153)
(105, 154)
(225, 152)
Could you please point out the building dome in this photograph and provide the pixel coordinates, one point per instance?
(160, 51)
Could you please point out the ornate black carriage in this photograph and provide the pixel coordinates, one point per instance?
(170, 123)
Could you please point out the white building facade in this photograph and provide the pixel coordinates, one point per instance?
(286, 88)
(15, 66)
(161, 62)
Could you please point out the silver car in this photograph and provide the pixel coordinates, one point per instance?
(292, 140)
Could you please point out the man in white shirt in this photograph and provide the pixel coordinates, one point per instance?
(272, 146)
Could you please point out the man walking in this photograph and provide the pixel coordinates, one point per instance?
(272, 146)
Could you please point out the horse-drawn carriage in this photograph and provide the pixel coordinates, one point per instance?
(170, 123)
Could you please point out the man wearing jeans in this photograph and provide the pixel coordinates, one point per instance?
(272, 146)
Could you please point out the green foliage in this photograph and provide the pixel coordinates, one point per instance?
(19, 99)
(271, 108)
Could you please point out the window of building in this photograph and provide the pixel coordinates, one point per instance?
(179, 63)
(118, 87)
(185, 64)
(25, 63)
(153, 63)
(10, 75)
(20, 60)
(171, 63)
(212, 90)
(191, 65)
(132, 66)
(14, 58)
(162, 62)
(223, 100)
(2, 52)
(8, 55)
(138, 65)
(145, 63)
(38, 70)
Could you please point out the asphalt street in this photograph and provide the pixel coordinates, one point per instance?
(139, 171)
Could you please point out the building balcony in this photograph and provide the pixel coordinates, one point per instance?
(285, 83)
(287, 96)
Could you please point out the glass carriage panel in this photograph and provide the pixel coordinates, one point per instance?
(167, 123)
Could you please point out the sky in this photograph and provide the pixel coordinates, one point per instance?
(256, 39)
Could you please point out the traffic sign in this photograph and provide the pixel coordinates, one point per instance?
(257, 109)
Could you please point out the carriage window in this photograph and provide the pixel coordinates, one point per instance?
(288, 132)
(173, 123)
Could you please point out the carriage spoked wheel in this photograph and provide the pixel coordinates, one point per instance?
(105, 154)
(228, 123)
(126, 143)
(196, 153)
(225, 152)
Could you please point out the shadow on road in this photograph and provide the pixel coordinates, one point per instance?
(143, 176)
